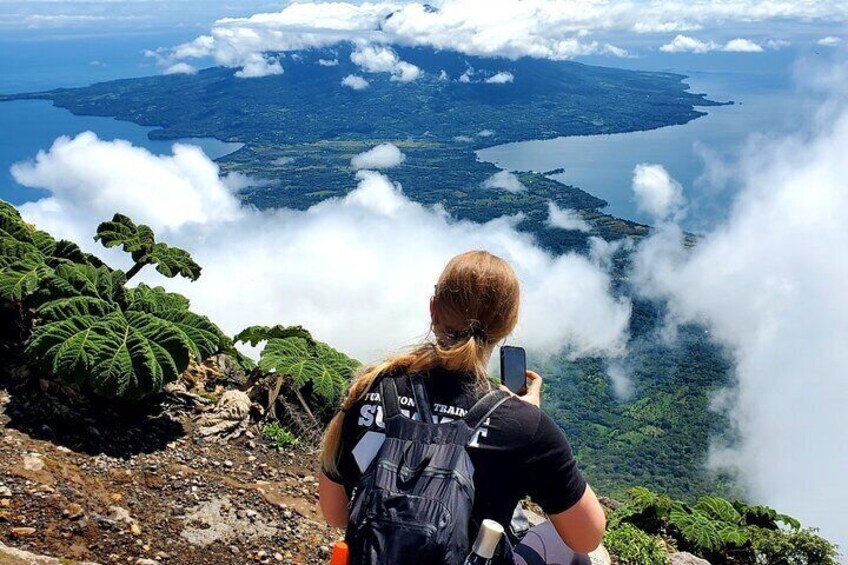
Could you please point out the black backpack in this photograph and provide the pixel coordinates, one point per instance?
(413, 503)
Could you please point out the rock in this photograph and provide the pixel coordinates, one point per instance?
(143, 561)
(683, 558)
(14, 556)
(74, 511)
(33, 462)
(5, 492)
(22, 532)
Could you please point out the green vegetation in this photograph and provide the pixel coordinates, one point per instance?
(86, 328)
(632, 546)
(280, 437)
(140, 242)
(658, 435)
(721, 531)
(319, 374)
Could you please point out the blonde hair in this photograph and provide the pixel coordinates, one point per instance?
(474, 306)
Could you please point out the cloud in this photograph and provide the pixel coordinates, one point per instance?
(769, 283)
(504, 180)
(383, 156)
(259, 65)
(180, 69)
(355, 82)
(358, 271)
(829, 41)
(485, 133)
(551, 29)
(657, 194)
(741, 45)
(328, 62)
(566, 219)
(374, 59)
(685, 44)
(502, 77)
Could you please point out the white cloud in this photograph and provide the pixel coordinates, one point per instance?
(383, 156)
(685, 44)
(657, 194)
(380, 59)
(553, 29)
(566, 219)
(259, 65)
(829, 41)
(504, 180)
(331, 268)
(485, 133)
(355, 82)
(741, 45)
(502, 77)
(328, 62)
(180, 69)
(777, 43)
(770, 285)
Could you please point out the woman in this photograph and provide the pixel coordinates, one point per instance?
(518, 452)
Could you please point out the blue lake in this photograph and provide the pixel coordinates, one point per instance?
(30, 126)
(603, 164)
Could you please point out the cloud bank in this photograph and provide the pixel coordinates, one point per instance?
(770, 285)
(358, 271)
(552, 29)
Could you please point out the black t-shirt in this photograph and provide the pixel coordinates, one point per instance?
(517, 452)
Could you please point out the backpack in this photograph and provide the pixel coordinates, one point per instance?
(413, 503)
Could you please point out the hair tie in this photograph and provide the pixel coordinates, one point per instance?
(475, 329)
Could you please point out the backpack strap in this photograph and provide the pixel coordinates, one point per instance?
(483, 408)
(389, 398)
(421, 402)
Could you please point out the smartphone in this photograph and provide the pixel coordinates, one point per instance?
(513, 368)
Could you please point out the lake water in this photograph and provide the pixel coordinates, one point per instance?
(603, 164)
(30, 126)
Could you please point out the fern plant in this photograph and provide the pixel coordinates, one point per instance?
(319, 373)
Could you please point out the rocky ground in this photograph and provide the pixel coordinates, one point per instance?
(164, 498)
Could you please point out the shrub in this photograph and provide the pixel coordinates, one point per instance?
(88, 329)
(319, 373)
(279, 436)
(632, 546)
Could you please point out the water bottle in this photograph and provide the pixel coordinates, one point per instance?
(484, 546)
